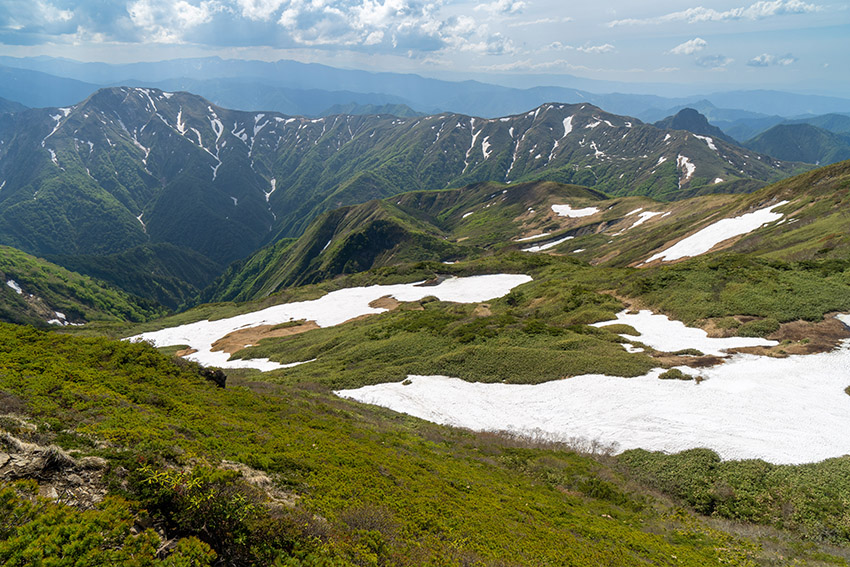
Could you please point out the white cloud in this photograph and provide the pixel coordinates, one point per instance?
(766, 60)
(689, 47)
(502, 6)
(541, 21)
(759, 10)
(259, 10)
(165, 22)
(606, 48)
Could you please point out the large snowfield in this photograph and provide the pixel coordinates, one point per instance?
(782, 410)
(332, 309)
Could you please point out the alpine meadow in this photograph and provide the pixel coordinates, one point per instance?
(492, 283)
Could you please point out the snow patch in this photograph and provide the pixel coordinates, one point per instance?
(568, 211)
(467, 214)
(535, 237)
(682, 162)
(14, 285)
(332, 309)
(704, 240)
(568, 126)
(783, 410)
(548, 245)
(707, 140)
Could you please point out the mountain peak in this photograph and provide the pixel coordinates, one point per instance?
(691, 120)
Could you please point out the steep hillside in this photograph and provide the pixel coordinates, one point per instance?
(10, 107)
(420, 226)
(802, 142)
(161, 272)
(36, 292)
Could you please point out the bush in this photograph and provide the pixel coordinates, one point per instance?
(675, 374)
(759, 328)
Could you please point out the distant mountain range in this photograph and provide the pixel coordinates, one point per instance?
(310, 89)
(132, 167)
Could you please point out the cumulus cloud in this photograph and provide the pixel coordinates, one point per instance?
(759, 10)
(716, 62)
(767, 60)
(166, 22)
(413, 28)
(502, 6)
(689, 47)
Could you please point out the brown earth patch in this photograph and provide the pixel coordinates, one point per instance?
(691, 361)
(387, 302)
(237, 340)
(185, 352)
(482, 310)
(804, 337)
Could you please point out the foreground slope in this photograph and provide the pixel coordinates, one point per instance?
(259, 474)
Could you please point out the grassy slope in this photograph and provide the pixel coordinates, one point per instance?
(159, 272)
(54, 288)
(373, 487)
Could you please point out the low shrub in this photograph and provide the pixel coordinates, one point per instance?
(759, 327)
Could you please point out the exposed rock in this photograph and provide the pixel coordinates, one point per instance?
(60, 476)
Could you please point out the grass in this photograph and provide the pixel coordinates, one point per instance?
(373, 487)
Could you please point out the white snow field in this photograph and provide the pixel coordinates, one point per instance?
(783, 410)
(704, 240)
(664, 334)
(568, 211)
(332, 309)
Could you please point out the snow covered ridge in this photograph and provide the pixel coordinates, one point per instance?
(783, 410)
(332, 309)
(704, 240)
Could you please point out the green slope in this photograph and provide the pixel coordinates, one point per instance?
(353, 485)
(425, 225)
(47, 289)
(802, 142)
(162, 272)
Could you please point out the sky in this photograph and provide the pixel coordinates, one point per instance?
(795, 45)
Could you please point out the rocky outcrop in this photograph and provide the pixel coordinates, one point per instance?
(76, 482)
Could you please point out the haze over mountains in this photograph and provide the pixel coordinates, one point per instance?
(297, 88)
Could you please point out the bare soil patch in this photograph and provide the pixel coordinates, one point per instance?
(232, 343)
(386, 302)
(804, 337)
(185, 352)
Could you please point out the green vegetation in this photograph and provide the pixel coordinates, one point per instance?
(810, 499)
(730, 285)
(161, 273)
(48, 288)
(675, 374)
(354, 485)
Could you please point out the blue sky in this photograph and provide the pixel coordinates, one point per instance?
(792, 44)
